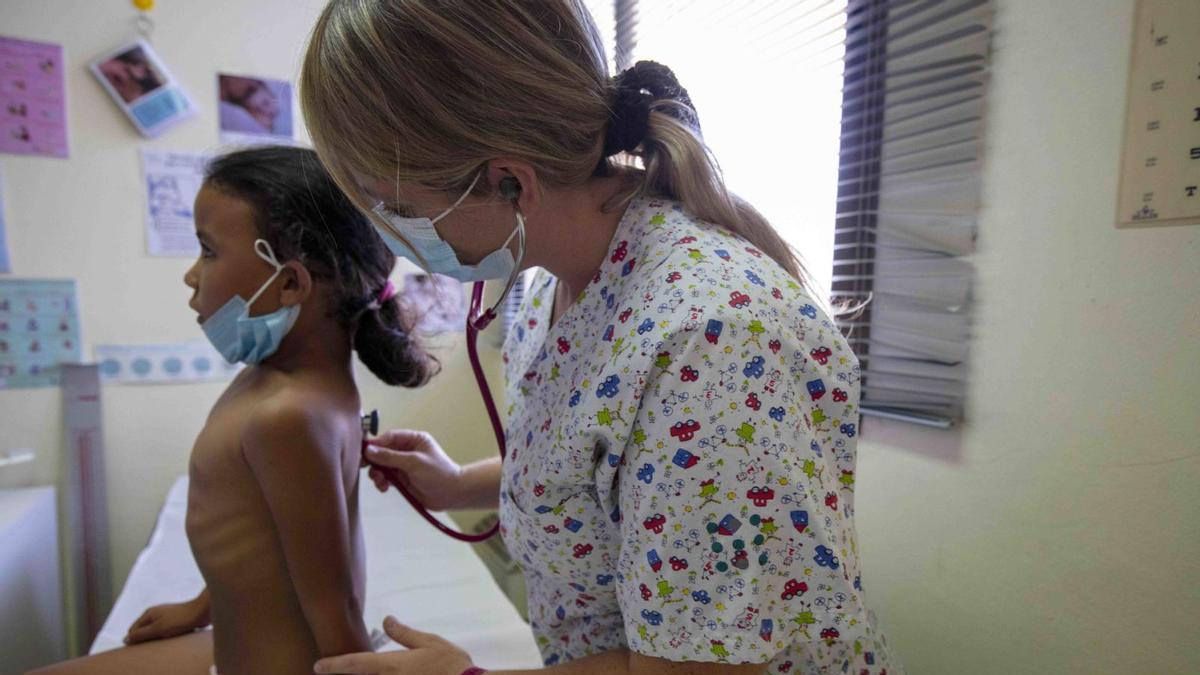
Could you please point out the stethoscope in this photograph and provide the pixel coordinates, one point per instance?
(476, 321)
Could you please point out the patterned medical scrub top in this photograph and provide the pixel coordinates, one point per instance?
(680, 476)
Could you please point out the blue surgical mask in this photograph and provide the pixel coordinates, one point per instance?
(427, 248)
(240, 337)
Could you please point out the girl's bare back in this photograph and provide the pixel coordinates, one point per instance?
(242, 532)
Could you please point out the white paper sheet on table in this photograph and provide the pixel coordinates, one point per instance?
(414, 572)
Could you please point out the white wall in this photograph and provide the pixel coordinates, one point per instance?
(82, 218)
(1057, 531)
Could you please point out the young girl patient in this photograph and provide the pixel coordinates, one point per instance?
(273, 499)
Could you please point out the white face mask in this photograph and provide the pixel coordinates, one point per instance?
(425, 243)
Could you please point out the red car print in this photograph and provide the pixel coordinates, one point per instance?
(754, 252)
(673, 277)
(760, 495)
(655, 523)
(686, 240)
(830, 634)
(620, 251)
(774, 346)
(776, 293)
(792, 589)
(645, 591)
(737, 300)
(752, 401)
(821, 355)
(839, 396)
(581, 550)
(625, 315)
(539, 489)
(678, 563)
(684, 431)
(563, 346)
(688, 374)
(831, 500)
(552, 529)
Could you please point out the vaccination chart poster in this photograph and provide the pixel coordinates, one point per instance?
(33, 99)
(39, 329)
(172, 180)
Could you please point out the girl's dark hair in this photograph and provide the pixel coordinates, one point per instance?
(304, 216)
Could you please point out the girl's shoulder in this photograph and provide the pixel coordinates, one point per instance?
(296, 413)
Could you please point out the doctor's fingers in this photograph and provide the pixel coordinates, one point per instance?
(378, 479)
(402, 460)
(405, 440)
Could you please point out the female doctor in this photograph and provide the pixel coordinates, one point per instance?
(682, 415)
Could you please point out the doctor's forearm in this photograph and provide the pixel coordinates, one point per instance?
(481, 484)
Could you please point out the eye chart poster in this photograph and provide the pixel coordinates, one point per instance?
(1160, 167)
(39, 328)
(33, 100)
(172, 180)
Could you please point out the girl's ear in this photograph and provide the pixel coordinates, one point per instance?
(297, 284)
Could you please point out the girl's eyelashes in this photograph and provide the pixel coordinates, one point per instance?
(205, 251)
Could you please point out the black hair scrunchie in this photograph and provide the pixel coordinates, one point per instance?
(636, 89)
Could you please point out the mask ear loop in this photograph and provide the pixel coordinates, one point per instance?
(263, 250)
(481, 321)
(461, 199)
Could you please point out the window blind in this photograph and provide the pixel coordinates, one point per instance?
(908, 193)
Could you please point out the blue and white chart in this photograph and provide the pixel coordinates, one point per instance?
(39, 329)
(162, 363)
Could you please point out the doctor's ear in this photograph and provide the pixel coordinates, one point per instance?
(515, 182)
(297, 284)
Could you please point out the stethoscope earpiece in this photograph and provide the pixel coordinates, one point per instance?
(510, 187)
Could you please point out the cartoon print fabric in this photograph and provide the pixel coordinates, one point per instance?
(680, 476)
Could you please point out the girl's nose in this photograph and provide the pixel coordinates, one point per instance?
(189, 277)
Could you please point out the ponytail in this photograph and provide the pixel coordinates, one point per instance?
(385, 344)
(652, 118)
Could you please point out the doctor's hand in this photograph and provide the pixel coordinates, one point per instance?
(425, 654)
(170, 620)
(422, 466)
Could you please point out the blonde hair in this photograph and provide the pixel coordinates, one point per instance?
(455, 84)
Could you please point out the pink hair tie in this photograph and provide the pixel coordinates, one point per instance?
(388, 292)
